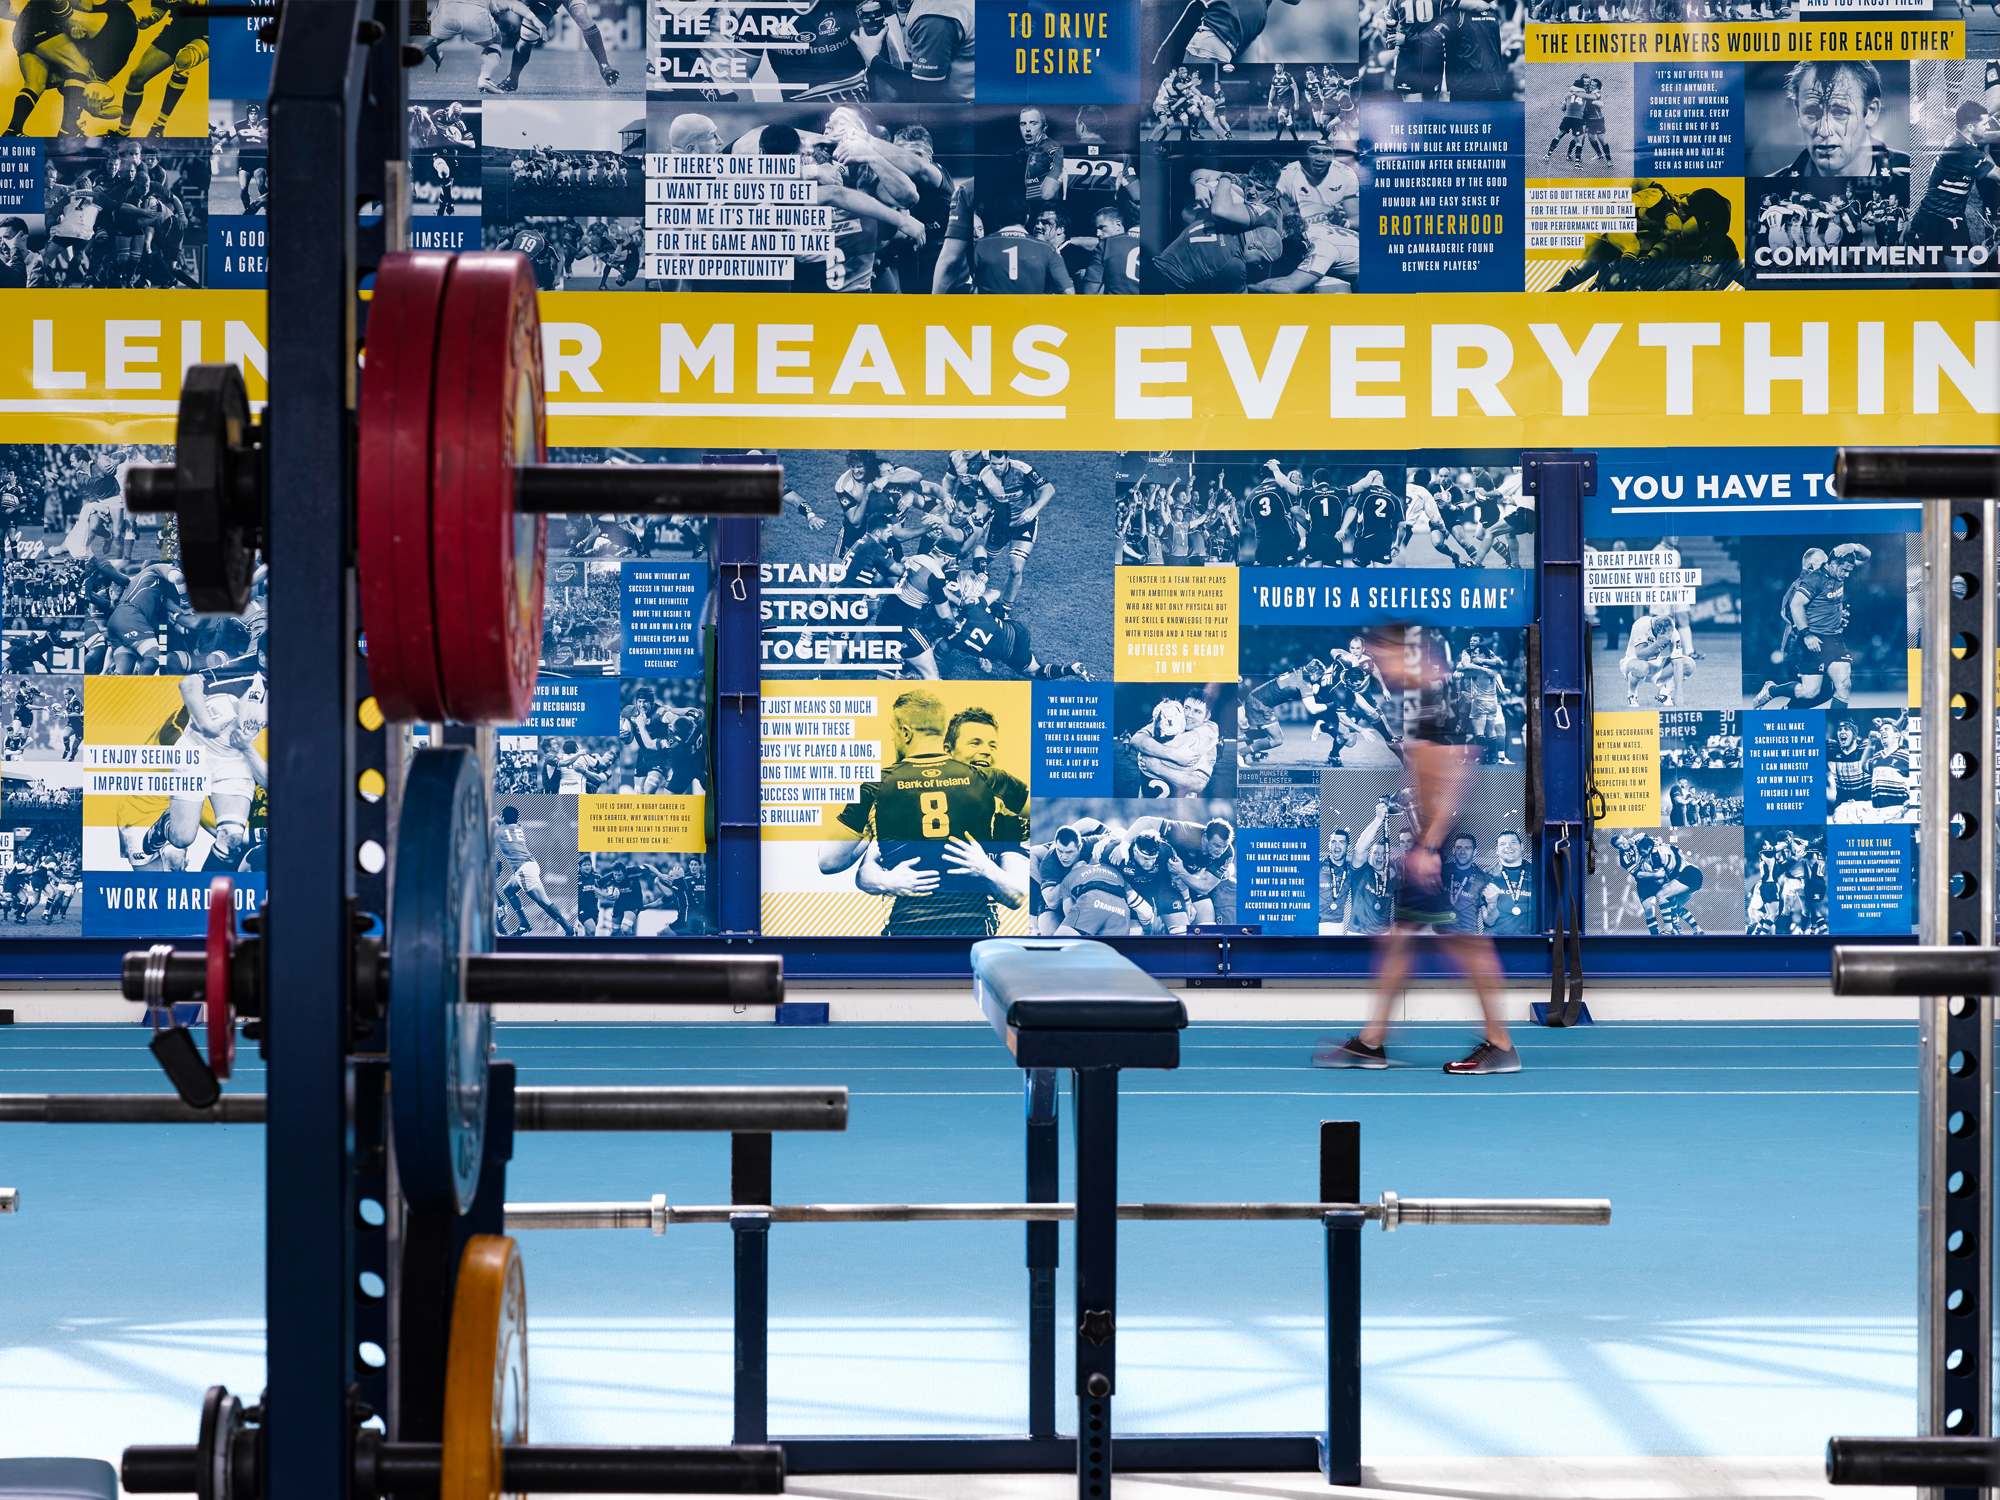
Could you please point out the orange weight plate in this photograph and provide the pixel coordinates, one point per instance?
(393, 484)
(221, 952)
(486, 1369)
(487, 560)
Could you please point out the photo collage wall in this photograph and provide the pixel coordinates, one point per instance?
(943, 146)
(1123, 694)
(1756, 739)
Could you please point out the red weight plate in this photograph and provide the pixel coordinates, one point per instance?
(392, 484)
(215, 987)
(486, 560)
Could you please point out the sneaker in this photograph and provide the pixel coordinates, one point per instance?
(1353, 1053)
(1487, 1058)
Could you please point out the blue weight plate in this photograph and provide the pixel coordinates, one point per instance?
(441, 910)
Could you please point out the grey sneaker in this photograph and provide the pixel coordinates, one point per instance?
(1352, 1053)
(1487, 1058)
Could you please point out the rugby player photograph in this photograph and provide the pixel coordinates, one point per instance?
(1662, 656)
(118, 214)
(643, 895)
(941, 835)
(1872, 769)
(1954, 196)
(239, 149)
(1667, 881)
(91, 69)
(1580, 124)
(531, 49)
(1174, 741)
(1848, 118)
(534, 853)
(1222, 35)
(1785, 891)
(1688, 237)
(897, 179)
(967, 564)
(1792, 222)
(1826, 622)
(1256, 216)
(1046, 173)
(446, 172)
(1368, 821)
(565, 184)
(1312, 697)
(1443, 50)
(1105, 868)
(850, 51)
(583, 621)
(43, 717)
(41, 854)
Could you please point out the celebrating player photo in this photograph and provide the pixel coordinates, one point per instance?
(1104, 868)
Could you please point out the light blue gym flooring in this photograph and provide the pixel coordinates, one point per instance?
(1752, 1296)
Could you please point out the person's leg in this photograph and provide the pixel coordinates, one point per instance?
(1389, 980)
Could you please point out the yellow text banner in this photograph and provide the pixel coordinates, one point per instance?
(1493, 370)
(1876, 39)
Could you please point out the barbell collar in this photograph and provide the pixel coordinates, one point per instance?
(649, 489)
(1917, 473)
(1914, 1462)
(151, 489)
(624, 979)
(10, 1200)
(1916, 971)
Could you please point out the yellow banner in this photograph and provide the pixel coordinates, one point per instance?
(1877, 39)
(1498, 370)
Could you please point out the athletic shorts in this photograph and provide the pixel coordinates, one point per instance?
(132, 630)
(528, 877)
(1802, 660)
(1690, 877)
(467, 21)
(1571, 127)
(178, 32)
(1099, 914)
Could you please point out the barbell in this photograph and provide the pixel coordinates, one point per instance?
(485, 1452)
(452, 488)
(435, 980)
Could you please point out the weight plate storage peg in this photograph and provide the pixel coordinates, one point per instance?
(441, 909)
(393, 484)
(486, 1369)
(487, 556)
(220, 956)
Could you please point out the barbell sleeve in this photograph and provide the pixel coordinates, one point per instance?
(649, 489)
(625, 979)
(1916, 473)
(1915, 1462)
(781, 1107)
(10, 1200)
(151, 489)
(736, 1110)
(404, 1468)
(1916, 971)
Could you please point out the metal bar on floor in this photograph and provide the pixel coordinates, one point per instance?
(1392, 1212)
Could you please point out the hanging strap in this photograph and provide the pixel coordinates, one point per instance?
(1558, 970)
(1572, 927)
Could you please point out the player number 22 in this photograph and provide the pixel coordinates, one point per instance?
(937, 822)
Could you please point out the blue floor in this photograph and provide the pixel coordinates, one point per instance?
(1753, 1294)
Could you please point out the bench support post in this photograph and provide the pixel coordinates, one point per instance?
(752, 1235)
(1044, 1186)
(1096, 1093)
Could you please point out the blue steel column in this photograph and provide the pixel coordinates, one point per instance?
(1044, 1249)
(1340, 1182)
(1559, 482)
(752, 1236)
(739, 738)
(310, 1212)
